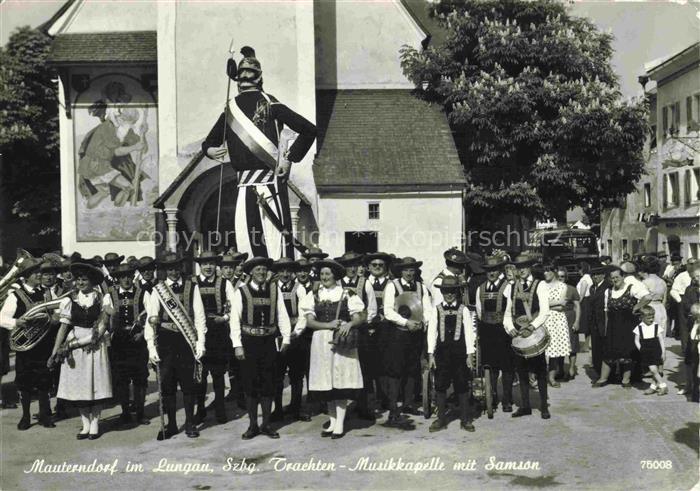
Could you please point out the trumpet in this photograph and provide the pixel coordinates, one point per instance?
(38, 322)
(23, 261)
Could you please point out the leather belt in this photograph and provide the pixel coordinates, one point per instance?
(258, 330)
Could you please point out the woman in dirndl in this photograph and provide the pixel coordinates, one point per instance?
(622, 302)
(557, 327)
(81, 344)
(333, 314)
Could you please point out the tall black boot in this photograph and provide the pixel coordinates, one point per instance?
(253, 428)
(25, 398)
(45, 410)
(278, 414)
(219, 404)
(507, 383)
(542, 388)
(363, 411)
(464, 413)
(201, 392)
(140, 402)
(122, 391)
(440, 422)
(190, 425)
(295, 410)
(170, 411)
(266, 404)
(524, 409)
(409, 394)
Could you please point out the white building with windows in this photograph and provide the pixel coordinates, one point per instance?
(664, 214)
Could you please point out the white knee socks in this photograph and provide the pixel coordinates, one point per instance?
(341, 406)
(85, 418)
(332, 412)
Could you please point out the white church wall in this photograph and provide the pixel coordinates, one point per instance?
(92, 16)
(359, 42)
(422, 225)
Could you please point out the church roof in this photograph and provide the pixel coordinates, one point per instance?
(383, 140)
(104, 47)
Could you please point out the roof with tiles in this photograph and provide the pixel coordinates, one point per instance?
(105, 47)
(383, 140)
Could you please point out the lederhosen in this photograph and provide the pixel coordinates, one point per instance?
(296, 358)
(494, 341)
(258, 332)
(451, 351)
(128, 357)
(30, 366)
(403, 348)
(536, 364)
(217, 341)
(650, 352)
(177, 359)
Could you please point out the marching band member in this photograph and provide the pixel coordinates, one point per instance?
(231, 270)
(129, 354)
(366, 347)
(231, 267)
(52, 290)
(31, 370)
(494, 341)
(86, 380)
(257, 313)
(217, 297)
(378, 278)
(527, 297)
(296, 358)
(313, 255)
(304, 274)
(335, 375)
(451, 352)
(110, 262)
(147, 271)
(175, 336)
(455, 264)
(404, 340)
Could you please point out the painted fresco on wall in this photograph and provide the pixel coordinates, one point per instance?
(116, 161)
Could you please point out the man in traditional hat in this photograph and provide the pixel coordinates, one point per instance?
(175, 336)
(231, 270)
(258, 315)
(146, 267)
(404, 339)
(314, 254)
(378, 264)
(31, 372)
(455, 264)
(605, 260)
(217, 297)
(494, 341)
(296, 358)
(304, 274)
(128, 354)
(597, 313)
(110, 262)
(366, 345)
(231, 267)
(527, 308)
(451, 348)
(249, 132)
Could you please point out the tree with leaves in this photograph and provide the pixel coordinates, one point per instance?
(29, 138)
(535, 107)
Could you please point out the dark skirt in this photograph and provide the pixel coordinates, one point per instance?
(586, 312)
(495, 344)
(619, 336)
(335, 394)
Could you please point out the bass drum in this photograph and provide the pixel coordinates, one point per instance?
(533, 345)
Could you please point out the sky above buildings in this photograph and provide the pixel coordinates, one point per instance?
(643, 30)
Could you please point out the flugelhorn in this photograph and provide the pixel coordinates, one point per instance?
(38, 323)
(23, 262)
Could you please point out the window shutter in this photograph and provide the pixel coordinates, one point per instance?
(686, 185)
(665, 186)
(677, 115)
(664, 113)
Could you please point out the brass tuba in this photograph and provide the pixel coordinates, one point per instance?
(38, 320)
(23, 261)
